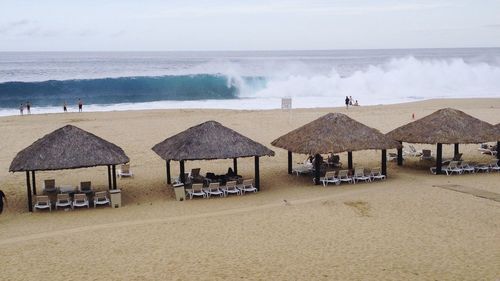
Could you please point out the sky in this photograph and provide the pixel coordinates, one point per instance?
(154, 25)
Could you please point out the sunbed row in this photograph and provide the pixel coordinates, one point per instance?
(359, 175)
(459, 167)
(64, 200)
(214, 188)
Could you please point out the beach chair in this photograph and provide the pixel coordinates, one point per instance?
(63, 200)
(329, 178)
(376, 173)
(426, 155)
(86, 188)
(247, 186)
(42, 202)
(494, 166)
(343, 176)
(453, 167)
(487, 149)
(101, 198)
(412, 151)
(197, 190)
(49, 186)
(124, 171)
(303, 169)
(482, 167)
(214, 189)
(80, 200)
(231, 187)
(359, 175)
(466, 168)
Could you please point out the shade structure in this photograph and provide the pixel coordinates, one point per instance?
(208, 141)
(68, 147)
(334, 132)
(445, 126)
(497, 127)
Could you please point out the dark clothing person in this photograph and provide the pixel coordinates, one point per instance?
(80, 105)
(28, 107)
(2, 198)
(65, 108)
(346, 101)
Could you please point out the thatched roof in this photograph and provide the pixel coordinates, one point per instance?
(67, 148)
(209, 140)
(334, 132)
(445, 126)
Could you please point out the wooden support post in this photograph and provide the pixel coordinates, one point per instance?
(439, 158)
(498, 149)
(169, 177)
(384, 162)
(457, 151)
(114, 176)
(400, 154)
(28, 190)
(182, 176)
(290, 162)
(317, 169)
(235, 166)
(33, 181)
(257, 173)
(110, 185)
(349, 160)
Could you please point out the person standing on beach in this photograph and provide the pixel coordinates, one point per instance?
(65, 107)
(80, 105)
(21, 109)
(2, 199)
(346, 102)
(28, 107)
(350, 100)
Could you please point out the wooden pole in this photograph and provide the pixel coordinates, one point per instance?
(28, 190)
(317, 169)
(384, 162)
(349, 160)
(400, 154)
(257, 174)
(235, 165)
(290, 162)
(439, 158)
(34, 182)
(114, 176)
(109, 177)
(498, 149)
(169, 177)
(182, 176)
(457, 151)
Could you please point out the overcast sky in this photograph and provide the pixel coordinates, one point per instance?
(154, 25)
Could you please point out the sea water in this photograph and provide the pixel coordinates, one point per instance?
(107, 81)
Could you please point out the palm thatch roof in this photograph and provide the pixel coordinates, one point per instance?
(446, 126)
(68, 148)
(209, 140)
(334, 132)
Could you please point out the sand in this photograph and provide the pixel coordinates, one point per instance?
(406, 228)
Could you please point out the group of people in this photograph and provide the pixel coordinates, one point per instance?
(65, 107)
(349, 102)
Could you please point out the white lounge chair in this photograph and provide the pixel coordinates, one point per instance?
(214, 189)
(466, 168)
(196, 190)
(63, 200)
(343, 176)
(376, 174)
(80, 200)
(125, 171)
(247, 186)
(482, 167)
(42, 202)
(231, 187)
(494, 166)
(329, 178)
(101, 198)
(359, 175)
(453, 167)
(412, 151)
(303, 169)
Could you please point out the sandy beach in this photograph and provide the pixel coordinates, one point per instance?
(405, 228)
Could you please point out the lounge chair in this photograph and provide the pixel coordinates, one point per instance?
(80, 200)
(247, 186)
(101, 198)
(487, 149)
(466, 168)
(63, 200)
(482, 167)
(43, 202)
(214, 189)
(393, 156)
(124, 171)
(334, 161)
(329, 178)
(359, 175)
(494, 166)
(196, 190)
(86, 188)
(376, 173)
(456, 157)
(343, 176)
(231, 188)
(453, 167)
(426, 155)
(49, 186)
(303, 169)
(412, 151)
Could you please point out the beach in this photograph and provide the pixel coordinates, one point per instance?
(409, 227)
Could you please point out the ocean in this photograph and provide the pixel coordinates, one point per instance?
(107, 81)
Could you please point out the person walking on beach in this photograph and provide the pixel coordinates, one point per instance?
(2, 199)
(21, 109)
(346, 102)
(80, 105)
(65, 107)
(350, 100)
(28, 107)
